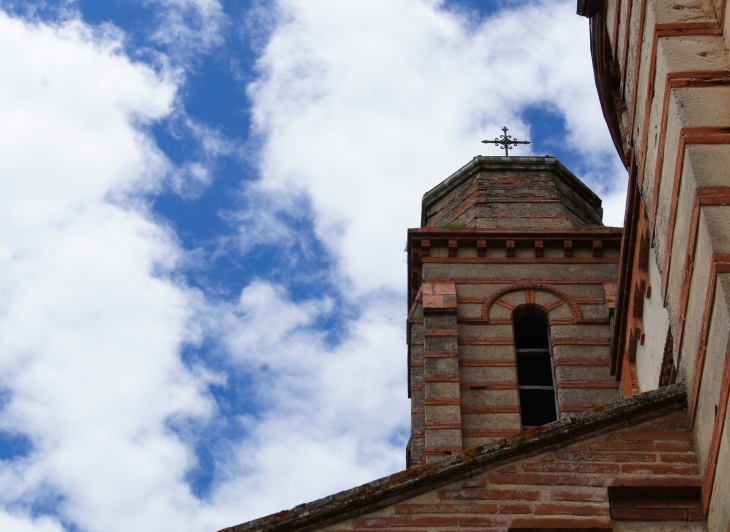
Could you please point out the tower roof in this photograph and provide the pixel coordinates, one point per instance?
(511, 192)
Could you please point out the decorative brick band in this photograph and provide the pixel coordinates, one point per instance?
(580, 362)
(577, 524)
(486, 341)
(442, 401)
(580, 341)
(472, 363)
(504, 385)
(533, 286)
(441, 378)
(521, 280)
(489, 433)
(596, 321)
(588, 384)
(442, 425)
(484, 321)
(501, 409)
(522, 260)
(506, 304)
(441, 354)
(561, 321)
(555, 303)
(589, 300)
(442, 332)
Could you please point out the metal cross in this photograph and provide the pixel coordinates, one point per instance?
(505, 140)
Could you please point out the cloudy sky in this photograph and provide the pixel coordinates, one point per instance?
(203, 209)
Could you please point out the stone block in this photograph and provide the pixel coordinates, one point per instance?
(469, 310)
(588, 352)
(593, 396)
(416, 332)
(562, 311)
(581, 290)
(441, 366)
(485, 331)
(443, 438)
(486, 352)
(594, 311)
(583, 373)
(443, 413)
(489, 397)
(439, 321)
(543, 298)
(417, 398)
(580, 331)
(498, 311)
(442, 389)
(440, 343)
(478, 290)
(491, 421)
(488, 374)
(417, 423)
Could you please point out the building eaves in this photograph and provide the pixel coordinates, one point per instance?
(411, 482)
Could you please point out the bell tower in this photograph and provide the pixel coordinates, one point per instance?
(512, 281)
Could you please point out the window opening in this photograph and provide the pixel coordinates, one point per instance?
(534, 371)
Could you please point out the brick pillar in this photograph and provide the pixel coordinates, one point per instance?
(441, 371)
(416, 451)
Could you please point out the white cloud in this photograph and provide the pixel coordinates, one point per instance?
(360, 108)
(93, 321)
(331, 411)
(91, 324)
(189, 27)
(365, 106)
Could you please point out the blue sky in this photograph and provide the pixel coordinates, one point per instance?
(202, 216)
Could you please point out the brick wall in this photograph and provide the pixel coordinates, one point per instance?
(643, 471)
(462, 363)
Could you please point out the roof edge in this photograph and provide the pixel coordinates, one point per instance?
(411, 482)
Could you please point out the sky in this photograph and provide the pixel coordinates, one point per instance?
(203, 210)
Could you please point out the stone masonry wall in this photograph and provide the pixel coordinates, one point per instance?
(462, 360)
(664, 81)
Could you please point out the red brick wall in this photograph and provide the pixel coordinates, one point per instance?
(573, 487)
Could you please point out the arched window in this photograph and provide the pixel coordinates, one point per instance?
(534, 367)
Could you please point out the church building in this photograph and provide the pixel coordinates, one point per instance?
(565, 375)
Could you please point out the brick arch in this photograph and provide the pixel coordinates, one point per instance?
(565, 298)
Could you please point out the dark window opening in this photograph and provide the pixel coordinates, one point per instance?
(534, 370)
(538, 407)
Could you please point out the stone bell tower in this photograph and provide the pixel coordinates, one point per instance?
(511, 294)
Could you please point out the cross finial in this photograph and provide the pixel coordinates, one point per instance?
(506, 141)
